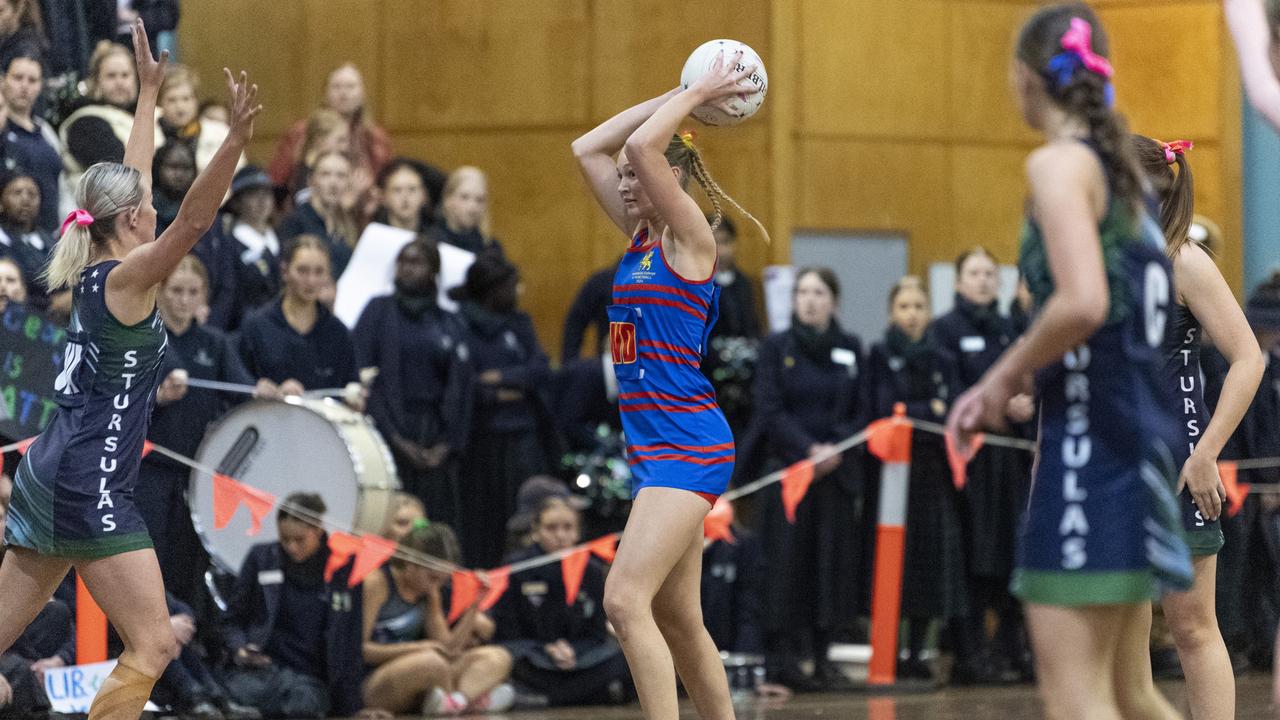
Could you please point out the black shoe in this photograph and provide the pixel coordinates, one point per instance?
(972, 673)
(235, 711)
(914, 669)
(829, 676)
(793, 678)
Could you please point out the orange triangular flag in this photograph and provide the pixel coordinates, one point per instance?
(1237, 491)
(796, 480)
(959, 457)
(260, 503)
(716, 525)
(465, 588)
(23, 445)
(890, 438)
(341, 547)
(499, 578)
(147, 447)
(226, 498)
(373, 552)
(604, 547)
(572, 567)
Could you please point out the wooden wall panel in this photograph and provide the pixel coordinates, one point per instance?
(875, 68)
(987, 190)
(983, 107)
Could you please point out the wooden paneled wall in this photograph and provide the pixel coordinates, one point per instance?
(881, 115)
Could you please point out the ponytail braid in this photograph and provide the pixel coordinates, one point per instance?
(682, 153)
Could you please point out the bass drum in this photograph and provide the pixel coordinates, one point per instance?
(317, 446)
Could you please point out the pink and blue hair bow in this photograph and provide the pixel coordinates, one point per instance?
(1077, 52)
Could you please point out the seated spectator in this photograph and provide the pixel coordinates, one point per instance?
(30, 143)
(406, 190)
(326, 132)
(242, 251)
(21, 31)
(369, 144)
(173, 172)
(179, 421)
(295, 637)
(325, 213)
(99, 124)
(464, 213)
(179, 120)
(512, 435)
(295, 341)
(13, 288)
(406, 509)
(588, 311)
(908, 366)
(28, 245)
(187, 686)
(533, 493)
(421, 397)
(419, 662)
(564, 654)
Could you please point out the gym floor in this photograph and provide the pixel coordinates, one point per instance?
(1007, 703)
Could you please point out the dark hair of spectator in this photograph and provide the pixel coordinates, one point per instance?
(555, 501)
(310, 503)
(428, 249)
(908, 282)
(823, 273)
(301, 242)
(25, 55)
(975, 251)
(486, 275)
(434, 539)
(190, 264)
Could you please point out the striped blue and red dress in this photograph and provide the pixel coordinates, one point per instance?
(676, 434)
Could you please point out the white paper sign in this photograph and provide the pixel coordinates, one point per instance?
(71, 689)
(779, 282)
(371, 271)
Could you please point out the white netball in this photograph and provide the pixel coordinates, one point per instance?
(741, 107)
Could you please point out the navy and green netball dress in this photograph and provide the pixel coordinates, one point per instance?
(73, 491)
(1102, 525)
(1182, 372)
(658, 325)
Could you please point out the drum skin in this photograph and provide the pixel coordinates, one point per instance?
(298, 445)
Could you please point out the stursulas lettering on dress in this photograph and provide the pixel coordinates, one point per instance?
(1187, 384)
(108, 462)
(1077, 448)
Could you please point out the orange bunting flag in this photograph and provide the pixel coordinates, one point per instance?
(1237, 491)
(796, 480)
(716, 525)
(466, 586)
(147, 447)
(572, 568)
(373, 553)
(890, 438)
(959, 457)
(341, 547)
(499, 579)
(604, 547)
(23, 445)
(228, 494)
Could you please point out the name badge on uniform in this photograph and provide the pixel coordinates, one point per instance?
(973, 343)
(270, 577)
(844, 356)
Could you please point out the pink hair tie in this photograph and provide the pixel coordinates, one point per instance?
(1173, 149)
(1079, 41)
(77, 216)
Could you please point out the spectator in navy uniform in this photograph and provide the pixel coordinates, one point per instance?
(251, 243)
(810, 393)
(999, 479)
(295, 637)
(174, 170)
(13, 287)
(422, 395)
(510, 425)
(30, 143)
(21, 31)
(588, 312)
(563, 652)
(26, 243)
(407, 190)
(326, 214)
(909, 367)
(181, 416)
(463, 217)
(737, 289)
(584, 396)
(295, 341)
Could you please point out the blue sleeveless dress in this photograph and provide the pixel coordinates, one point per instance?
(73, 490)
(676, 434)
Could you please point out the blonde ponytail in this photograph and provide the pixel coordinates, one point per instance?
(682, 153)
(105, 190)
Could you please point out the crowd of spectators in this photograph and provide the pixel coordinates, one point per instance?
(484, 430)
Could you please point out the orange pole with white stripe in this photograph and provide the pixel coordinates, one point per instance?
(894, 452)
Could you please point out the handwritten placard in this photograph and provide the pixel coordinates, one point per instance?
(31, 348)
(71, 689)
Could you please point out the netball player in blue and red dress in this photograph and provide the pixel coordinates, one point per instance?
(680, 447)
(1102, 535)
(72, 502)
